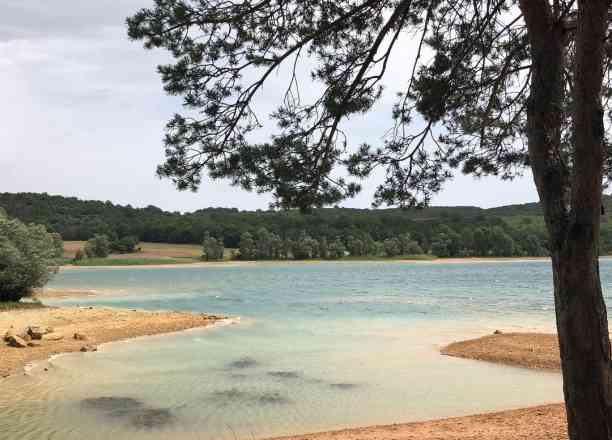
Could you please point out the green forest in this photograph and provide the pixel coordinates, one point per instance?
(515, 230)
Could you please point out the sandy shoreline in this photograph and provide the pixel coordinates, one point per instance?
(546, 422)
(98, 325)
(236, 263)
(527, 350)
(167, 266)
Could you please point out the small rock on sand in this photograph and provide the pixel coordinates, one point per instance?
(34, 344)
(89, 348)
(498, 332)
(16, 341)
(53, 337)
(35, 332)
(9, 333)
(80, 337)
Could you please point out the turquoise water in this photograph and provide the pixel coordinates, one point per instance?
(318, 347)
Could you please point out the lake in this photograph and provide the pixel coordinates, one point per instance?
(318, 346)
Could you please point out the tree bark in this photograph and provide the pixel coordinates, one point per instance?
(571, 199)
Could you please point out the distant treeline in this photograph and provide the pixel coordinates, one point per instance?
(516, 230)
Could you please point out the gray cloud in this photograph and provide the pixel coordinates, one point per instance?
(84, 113)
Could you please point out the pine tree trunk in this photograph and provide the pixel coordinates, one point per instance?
(582, 322)
(583, 339)
(571, 199)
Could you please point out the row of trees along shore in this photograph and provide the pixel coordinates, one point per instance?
(446, 242)
(517, 230)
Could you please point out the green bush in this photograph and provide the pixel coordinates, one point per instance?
(98, 246)
(29, 256)
(125, 245)
(79, 255)
(212, 249)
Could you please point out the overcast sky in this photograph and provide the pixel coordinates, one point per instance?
(83, 113)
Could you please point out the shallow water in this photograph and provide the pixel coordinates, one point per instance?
(319, 346)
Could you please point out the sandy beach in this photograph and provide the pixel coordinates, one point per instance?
(528, 350)
(545, 422)
(239, 263)
(97, 325)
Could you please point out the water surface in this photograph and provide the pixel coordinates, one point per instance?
(318, 347)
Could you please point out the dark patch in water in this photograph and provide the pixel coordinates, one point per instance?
(113, 406)
(249, 397)
(132, 410)
(284, 374)
(315, 380)
(238, 376)
(272, 399)
(151, 418)
(233, 394)
(343, 385)
(245, 362)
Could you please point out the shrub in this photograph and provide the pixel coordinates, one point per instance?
(125, 245)
(79, 255)
(29, 256)
(98, 246)
(212, 249)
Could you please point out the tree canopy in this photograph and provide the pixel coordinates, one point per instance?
(29, 255)
(361, 230)
(463, 103)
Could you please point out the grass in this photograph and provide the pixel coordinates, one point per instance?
(150, 254)
(130, 261)
(418, 257)
(148, 250)
(12, 305)
(147, 260)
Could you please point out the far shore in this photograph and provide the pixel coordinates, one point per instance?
(247, 263)
(94, 325)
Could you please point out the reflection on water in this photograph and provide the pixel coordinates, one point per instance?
(319, 347)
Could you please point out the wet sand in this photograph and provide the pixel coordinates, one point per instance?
(98, 325)
(538, 423)
(528, 350)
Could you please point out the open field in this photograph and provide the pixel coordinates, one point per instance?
(135, 261)
(149, 251)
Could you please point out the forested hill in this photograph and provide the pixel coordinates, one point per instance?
(78, 219)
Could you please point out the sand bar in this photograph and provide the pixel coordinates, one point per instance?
(98, 325)
(528, 350)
